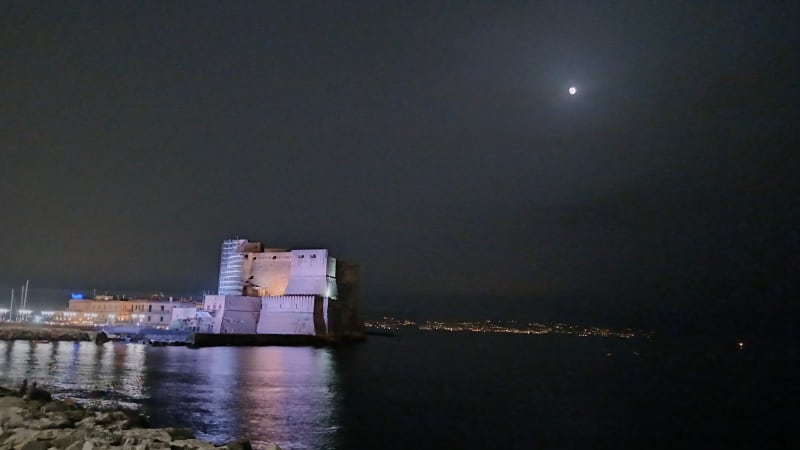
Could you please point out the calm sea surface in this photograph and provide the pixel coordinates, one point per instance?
(441, 390)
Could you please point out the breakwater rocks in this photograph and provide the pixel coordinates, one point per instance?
(45, 333)
(65, 425)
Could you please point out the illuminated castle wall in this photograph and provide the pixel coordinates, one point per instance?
(279, 291)
(230, 264)
(294, 272)
(247, 268)
(285, 314)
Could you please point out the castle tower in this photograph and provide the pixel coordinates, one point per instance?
(230, 267)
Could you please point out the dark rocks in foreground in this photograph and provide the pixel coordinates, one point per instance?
(63, 424)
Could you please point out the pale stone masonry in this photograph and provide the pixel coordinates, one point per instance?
(279, 291)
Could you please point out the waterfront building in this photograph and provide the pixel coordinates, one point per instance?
(153, 312)
(190, 319)
(279, 291)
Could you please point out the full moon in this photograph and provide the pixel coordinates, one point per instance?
(572, 90)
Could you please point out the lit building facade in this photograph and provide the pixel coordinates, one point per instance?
(279, 291)
(154, 312)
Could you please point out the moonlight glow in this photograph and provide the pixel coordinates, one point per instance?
(572, 90)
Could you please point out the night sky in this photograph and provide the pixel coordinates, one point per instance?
(434, 143)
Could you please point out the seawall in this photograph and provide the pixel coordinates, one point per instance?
(17, 332)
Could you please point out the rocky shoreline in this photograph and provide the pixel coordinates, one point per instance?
(65, 425)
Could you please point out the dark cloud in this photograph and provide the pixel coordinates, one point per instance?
(434, 143)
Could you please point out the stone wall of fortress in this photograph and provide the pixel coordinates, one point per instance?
(294, 292)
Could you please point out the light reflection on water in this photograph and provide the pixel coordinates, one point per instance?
(441, 390)
(99, 376)
(267, 394)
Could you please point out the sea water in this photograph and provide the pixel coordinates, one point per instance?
(440, 390)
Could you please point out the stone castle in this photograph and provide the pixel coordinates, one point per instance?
(285, 292)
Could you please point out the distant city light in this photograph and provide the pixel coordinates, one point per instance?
(510, 327)
(573, 90)
(77, 296)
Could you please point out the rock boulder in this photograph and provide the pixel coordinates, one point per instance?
(65, 425)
